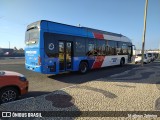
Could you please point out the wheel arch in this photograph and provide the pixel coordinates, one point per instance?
(123, 58)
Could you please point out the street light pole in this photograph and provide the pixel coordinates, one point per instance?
(144, 31)
(9, 44)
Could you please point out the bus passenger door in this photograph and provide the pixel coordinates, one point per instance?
(65, 55)
(69, 55)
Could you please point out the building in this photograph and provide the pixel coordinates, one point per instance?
(153, 51)
(147, 51)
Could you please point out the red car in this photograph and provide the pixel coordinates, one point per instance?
(12, 85)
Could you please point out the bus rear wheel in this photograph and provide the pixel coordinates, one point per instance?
(83, 67)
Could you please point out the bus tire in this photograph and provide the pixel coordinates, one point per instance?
(83, 67)
(122, 62)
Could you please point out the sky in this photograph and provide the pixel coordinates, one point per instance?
(119, 16)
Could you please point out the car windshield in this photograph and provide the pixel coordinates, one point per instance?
(149, 54)
(139, 55)
(2, 72)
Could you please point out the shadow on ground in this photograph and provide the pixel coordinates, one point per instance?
(76, 78)
(34, 94)
(128, 73)
(58, 104)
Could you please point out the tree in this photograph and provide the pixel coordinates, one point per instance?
(15, 48)
(21, 49)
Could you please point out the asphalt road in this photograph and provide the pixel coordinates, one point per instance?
(40, 84)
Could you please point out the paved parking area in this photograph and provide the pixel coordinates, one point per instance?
(137, 89)
(40, 84)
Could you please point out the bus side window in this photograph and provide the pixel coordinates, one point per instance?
(125, 48)
(111, 47)
(122, 48)
(119, 49)
(80, 46)
(49, 45)
(100, 47)
(91, 47)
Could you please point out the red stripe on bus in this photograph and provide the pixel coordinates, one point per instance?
(98, 35)
(98, 62)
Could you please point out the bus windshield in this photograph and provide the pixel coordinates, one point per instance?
(32, 37)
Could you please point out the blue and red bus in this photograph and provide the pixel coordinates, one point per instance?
(52, 48)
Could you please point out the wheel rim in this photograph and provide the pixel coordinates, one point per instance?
(8, 96)
(83, 68)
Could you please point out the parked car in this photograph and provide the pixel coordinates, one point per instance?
(148, 57)
(156, 55)
(12, 86)
(138, 59)
(151, 55)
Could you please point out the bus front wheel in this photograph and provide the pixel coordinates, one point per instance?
(83, 67)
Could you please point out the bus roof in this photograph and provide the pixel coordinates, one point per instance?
(95, 33)
(102, 32)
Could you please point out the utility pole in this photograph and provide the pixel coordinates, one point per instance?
(144, 31)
